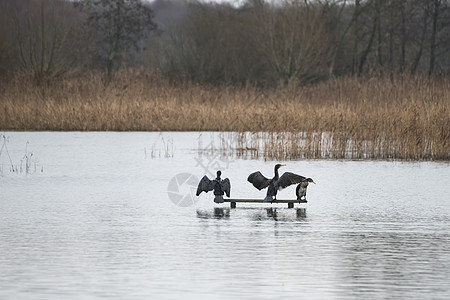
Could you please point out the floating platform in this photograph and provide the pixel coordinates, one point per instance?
(233, 202)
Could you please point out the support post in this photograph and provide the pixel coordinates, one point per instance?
(290, 205)
(233, 204)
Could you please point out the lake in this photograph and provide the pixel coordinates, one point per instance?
(113, 215)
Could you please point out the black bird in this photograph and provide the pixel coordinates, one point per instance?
(300, 191)
(219, 186)
(275, 184)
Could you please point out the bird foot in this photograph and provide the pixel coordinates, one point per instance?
(302, 201)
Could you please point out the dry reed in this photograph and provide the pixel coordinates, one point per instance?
(401, 118)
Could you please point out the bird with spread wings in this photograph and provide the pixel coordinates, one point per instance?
(275, 184)
(220, 187)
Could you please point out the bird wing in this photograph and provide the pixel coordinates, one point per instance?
(205, 185)
(258, 180)
(226, 186)
(289, 178)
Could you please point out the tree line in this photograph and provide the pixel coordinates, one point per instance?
(258, 42)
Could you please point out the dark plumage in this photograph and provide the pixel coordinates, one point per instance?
(275, 184)
(300, 191)
(219, 186)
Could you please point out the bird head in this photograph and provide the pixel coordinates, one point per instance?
(310, 180)
(218, 174)
(277, 166)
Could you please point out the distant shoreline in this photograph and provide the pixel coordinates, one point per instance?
(405, 118)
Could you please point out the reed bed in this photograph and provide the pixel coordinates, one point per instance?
(405, 118)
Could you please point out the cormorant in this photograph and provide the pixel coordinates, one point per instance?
(275, 184)
(300, 191)
(218, 185)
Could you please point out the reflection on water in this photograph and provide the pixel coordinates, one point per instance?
(255, 213)
(217, 212)
(98, 223)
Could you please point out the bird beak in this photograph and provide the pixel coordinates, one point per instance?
(282, 166)
(313, 182)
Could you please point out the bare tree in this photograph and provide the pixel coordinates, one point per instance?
(5, 38)
(42, 30)
(421, 43)
(295, 41)
(118, 26)
(340, 35)
(434, 29)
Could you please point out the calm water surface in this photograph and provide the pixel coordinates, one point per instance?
(93, 219)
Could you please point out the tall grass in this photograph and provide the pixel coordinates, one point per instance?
(382, 118)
